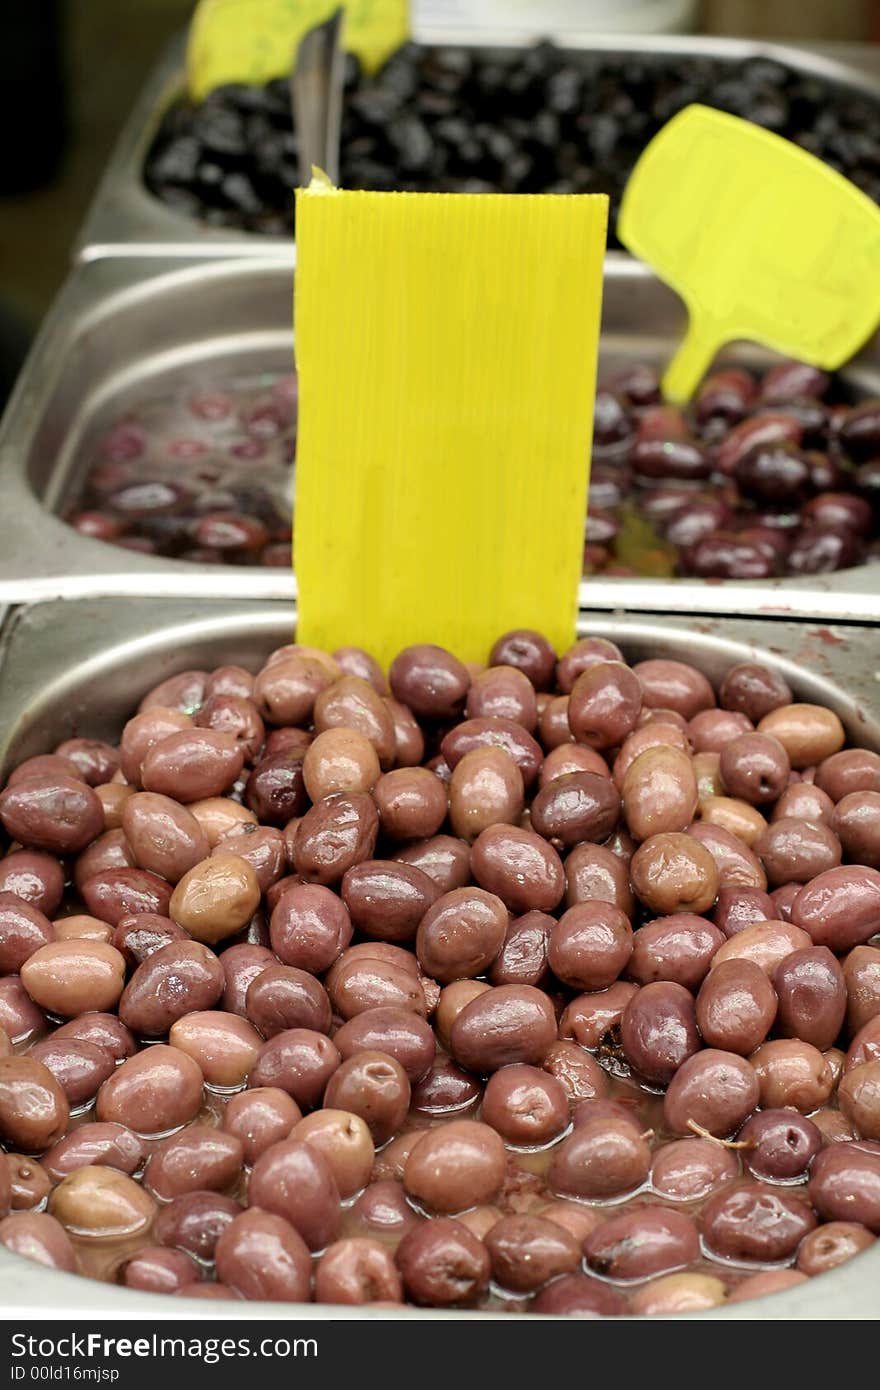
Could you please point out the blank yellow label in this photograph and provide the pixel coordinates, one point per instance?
(256, 40)
(761, 239)
(446, 350)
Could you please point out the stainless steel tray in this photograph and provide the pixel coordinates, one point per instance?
(81, 666)
(123, 326)
(125, 219)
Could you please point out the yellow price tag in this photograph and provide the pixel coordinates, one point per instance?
(256, 40)
(446, 349)
(762, 241)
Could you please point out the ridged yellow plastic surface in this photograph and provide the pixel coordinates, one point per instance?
(446, 350)
(761, 239)
(255, 40)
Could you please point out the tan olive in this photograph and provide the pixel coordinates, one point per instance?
(707, 770)
(224, 1045)
(808, 733)
(453, 998)
(101, 1203)
(679, 1293)
(340, 760)
(74, 977)
(113, 796)
(738, 817)
(765, 943)
(218, 815)
(216, 898)
(33, 1108)
(486, 788)
(344, 1140)
(82, 928)
(659, 792)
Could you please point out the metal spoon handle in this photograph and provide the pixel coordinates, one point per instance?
(316, 97)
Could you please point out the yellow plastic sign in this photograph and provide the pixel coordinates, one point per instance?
(256, 40)
(761, 240)
(446, 350)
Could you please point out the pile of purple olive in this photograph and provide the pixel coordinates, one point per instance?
(550, 985)
(757, 477)
(202, 474)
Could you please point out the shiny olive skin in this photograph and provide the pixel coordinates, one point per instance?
(495, 732)
(519, 867)
(157, 1090)
(398, 1032)
(55, 813)
(576, 1295)
(33, 1107)
(525, 1106)
(781, 1144)
(172, 982)
(460, 934)
(430, 680)
(442, 1264)
(861, 971)
(528, 1251)
(262, 1256)
(756, 1222)
(298, 1061)
(845, 1184)
(672, 872)
(282, 997)
(528, 651)
(840, 908)
(604, 704)
(23, 930)
(358, 1270)
(33, 877)
(154, 1269)
(658, 1030)
(92, 1144)
(811, 989)
(334, 835)
(678, 948)
(460, 1165)
(39, 1237)
(504, 1025)
(291, 1179)
(641, 1242)
(832, 1244)
(374, 1086)
(575, 807)
(79, 1067)
(195, 1222)
(590, 945)
(600, 1159)
(659, 792)
(755, 767)
(715, 1090)
(736, 1007)
(589, 1017)
(386, 900)
(522, 959)
(690, 1169)
(197, 1158)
